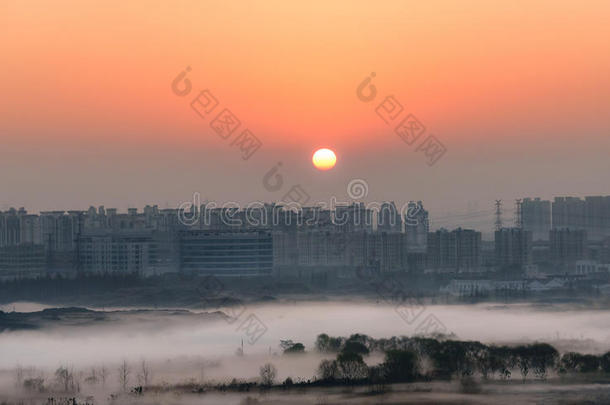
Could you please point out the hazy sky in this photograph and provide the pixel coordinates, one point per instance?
(518, 92)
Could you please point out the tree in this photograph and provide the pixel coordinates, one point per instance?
(65, 378)
(296, 348)
(322, 343)
(328, 344)
(589, 363)
(335, 343)
(496, 359)
(124, 372)
(144, 376)
(328, 370)
(604, 362)
(453, 357)
(523, 360)
(544, 356)
(285, 344)
(351, 366)
(35, 384)
(103, 374)
(19, 375)
(352, 346)
(92, 378)
(580, 363)
(506, 360)
(400, 366)
(360, 338)
(377, 378)
(267, 374)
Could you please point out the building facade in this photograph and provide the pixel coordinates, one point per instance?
(536, 217)
(567, 246)
(513, 248)
(591, 214)
(226, 253)
(454, 251)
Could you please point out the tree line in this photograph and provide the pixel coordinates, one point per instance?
(423, 358)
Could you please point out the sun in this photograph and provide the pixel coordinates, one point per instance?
(324, 159)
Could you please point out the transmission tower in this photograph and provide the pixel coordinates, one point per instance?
(498, 223)
(518, 214)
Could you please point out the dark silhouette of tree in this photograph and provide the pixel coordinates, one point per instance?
(124, 372)
(452, 357)
(322, 343)
(604, 362)
(285, 344)
(580, 363)
(400, 366)
(35, 384)
(296, 348)
(351, 366)
(543, 357)
(267, 373)
(499, 360)
(104, 374)
(92, 378)
(360, 338)
(522, 358)
(65, 379)
(328, 370)
(145, 374)
(352, 346)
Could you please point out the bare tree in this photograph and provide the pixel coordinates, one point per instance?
(103, 374)
(76, 379)
(144, 376)
(19, 375)
(92, 378)
(65, 378)
(268, 373)
(124, 372)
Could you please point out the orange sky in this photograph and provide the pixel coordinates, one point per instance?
(518, 92)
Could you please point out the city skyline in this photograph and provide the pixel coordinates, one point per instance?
(101, 123)
(475, 217)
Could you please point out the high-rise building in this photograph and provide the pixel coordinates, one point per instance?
(569, 213)
(417, 226)
(111, 252)
(568, 246)
(58, 230)
(591, 214)
(226, 252)
(22, 261)
(388, 251)
(353, 217)
(388, 218)
(10, 227)
(597, 217)
(513, 248)
(536, 217)
(458, 250)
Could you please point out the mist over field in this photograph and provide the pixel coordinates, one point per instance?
(181, 346)
(157, 339)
